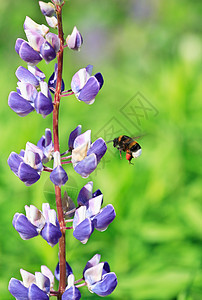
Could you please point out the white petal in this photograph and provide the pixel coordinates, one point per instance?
(36, 217)
(30, 24)
(93, 274)
(47, 272)
(45, 209)
(52, 21)
(79, 216)
(27, 278)
(79, 153)
(94, 206)
(70, 280)
(52, 216)
(57, 159)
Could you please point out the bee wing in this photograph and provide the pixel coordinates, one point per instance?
(139, 136)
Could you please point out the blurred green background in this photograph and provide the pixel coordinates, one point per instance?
(149, 53)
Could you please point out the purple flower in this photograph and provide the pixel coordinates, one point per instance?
(98, 277)
(54, 40)
(43, 104)
(41, 44)
(47, 9)
(51, 231)
(85, 86)
(71, 292)
(53, 79)
(76, 132)
(33, 286)
(27, 98)
(58, 176)
(75, 40)
(27, 53)
(36, 222)
(46, 145)
(89, 215)
(57, 271)
(28, 164)
(47, 51)
(85, 156)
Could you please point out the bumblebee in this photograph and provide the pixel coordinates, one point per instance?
(129, 145)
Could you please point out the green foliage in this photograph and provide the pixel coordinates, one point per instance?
(154, 47)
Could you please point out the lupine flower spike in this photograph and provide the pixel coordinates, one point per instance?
(34, 93)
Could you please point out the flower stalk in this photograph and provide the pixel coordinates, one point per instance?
(34, 93)
(58, 198)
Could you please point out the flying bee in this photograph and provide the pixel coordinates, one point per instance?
(129, 145)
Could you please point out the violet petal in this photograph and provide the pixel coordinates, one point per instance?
(90, 90)
(26, 76)
(47, 51)
(17, 289)
(83, 231)
(27, 174)
(18, 44)
(99, 148)
(104, 218)
(85, 193)
(28, 54)
(106, 286)
(35, 293)
(51, 234)
(57, 271)
(24, 227)
(71, 293)
(58, 176)
(43, 105)
(100, 79)
(18, 104)
(87, 165)
(76, 132)
(14, 161)
(53, 80)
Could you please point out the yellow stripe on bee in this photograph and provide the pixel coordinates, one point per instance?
(132, 144)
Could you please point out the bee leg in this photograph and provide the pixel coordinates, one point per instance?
(120, 154)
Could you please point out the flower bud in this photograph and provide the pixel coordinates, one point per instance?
(58, 2)
(58, 176)
(52, 21)
(54, 40)
(75, 40)
(47, 51)
(47, 9)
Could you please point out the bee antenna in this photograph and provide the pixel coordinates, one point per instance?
(109, 141)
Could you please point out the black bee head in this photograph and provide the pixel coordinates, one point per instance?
(115, 142)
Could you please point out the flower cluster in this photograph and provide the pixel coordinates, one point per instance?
(85, 155)
(36, 222)
(28, 165)
(89, 215)
(32, 287)
(34, 93)
(27, 98)
(96, 276)
(41, 44)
